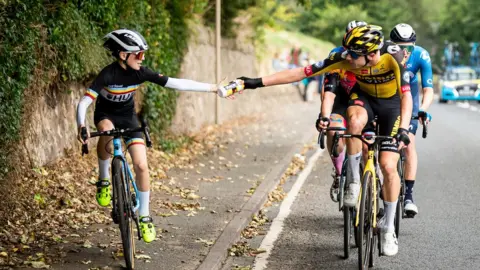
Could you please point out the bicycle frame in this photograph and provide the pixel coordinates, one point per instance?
(118, 153)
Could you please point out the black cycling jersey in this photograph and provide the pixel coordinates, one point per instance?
(115, 87)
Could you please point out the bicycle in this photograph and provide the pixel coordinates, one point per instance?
(125, 200)
(367, 205)
(348, 212)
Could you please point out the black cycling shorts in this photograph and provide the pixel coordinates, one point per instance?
(388, 112)
(121, 121)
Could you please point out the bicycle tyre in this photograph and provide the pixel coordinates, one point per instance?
(123, 208)
(365, 229)
(398, 215)
(347, 231)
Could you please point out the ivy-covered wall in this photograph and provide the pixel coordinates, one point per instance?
(47, 45)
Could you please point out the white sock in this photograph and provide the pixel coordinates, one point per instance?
(144, 197)
(390, 209)
(104, 168)
(354, 166)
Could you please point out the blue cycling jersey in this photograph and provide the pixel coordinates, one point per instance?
(419, 61)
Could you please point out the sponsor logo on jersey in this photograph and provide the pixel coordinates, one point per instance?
(406, 76)
(308, 70)
(393, 49)
(364, 71)
(425, 56)
(332, 56)
(377, 79)
(405, 88)
(319, 64)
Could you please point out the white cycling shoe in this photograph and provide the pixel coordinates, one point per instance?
(389, 243)
(351, 194)
(410, 208)
(389, 239)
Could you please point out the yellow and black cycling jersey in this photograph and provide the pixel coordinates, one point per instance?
(382, 80)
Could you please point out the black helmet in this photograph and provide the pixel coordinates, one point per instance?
(124, 40)
(403, 32)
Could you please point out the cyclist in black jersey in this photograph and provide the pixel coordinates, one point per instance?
(337, 87)
(114, 89)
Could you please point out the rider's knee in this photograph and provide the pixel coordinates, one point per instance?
(105, 125)
(140, 168)
(356, 123)
(388, 166)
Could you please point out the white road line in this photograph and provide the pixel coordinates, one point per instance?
(472, 108)
(277, 224)
(464, 105)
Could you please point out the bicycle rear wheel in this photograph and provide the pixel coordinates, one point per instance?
(122, 205)
(365, 226)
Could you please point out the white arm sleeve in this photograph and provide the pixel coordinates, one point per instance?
(188, 85)
(82, 110)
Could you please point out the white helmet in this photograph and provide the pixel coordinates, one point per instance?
(354, 24)
(403, 32)
(125, 40)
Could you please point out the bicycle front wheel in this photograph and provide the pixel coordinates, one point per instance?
(122, 206)
(365, 226)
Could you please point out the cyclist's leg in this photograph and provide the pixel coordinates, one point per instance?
(138, 152)
(358, 114)
(411, 164)
(337, 119)
(103, 122)
(388, 111)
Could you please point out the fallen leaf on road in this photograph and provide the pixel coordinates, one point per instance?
(37, 265)
(143, 256)
(87, 244)
(206, 242)
(87, 262)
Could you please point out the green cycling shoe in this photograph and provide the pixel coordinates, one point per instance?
(148, 229)
(104, 193)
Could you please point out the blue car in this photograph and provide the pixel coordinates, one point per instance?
(459, 83)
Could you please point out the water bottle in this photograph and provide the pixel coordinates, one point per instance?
(231, 88)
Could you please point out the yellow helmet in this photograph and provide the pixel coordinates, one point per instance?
(364, 39)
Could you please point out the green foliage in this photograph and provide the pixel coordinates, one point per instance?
(229, 11)
(47, 44)
(331, 26)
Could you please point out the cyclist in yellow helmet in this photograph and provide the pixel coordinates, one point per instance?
(384, 90)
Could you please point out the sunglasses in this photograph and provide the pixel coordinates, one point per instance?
(354, 55)
(139, 55)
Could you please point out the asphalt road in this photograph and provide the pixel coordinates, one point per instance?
(444, 235)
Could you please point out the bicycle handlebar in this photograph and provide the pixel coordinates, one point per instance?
(118, 133)
(321, 141)
(424, 124)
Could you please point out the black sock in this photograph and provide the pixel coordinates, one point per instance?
(409, 189)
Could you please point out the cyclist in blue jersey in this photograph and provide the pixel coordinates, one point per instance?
(337, 86)
(419, 60)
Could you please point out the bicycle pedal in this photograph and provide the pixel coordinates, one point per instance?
(410, 214)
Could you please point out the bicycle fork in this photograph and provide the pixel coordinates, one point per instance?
(135, 202)
(369, 166)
